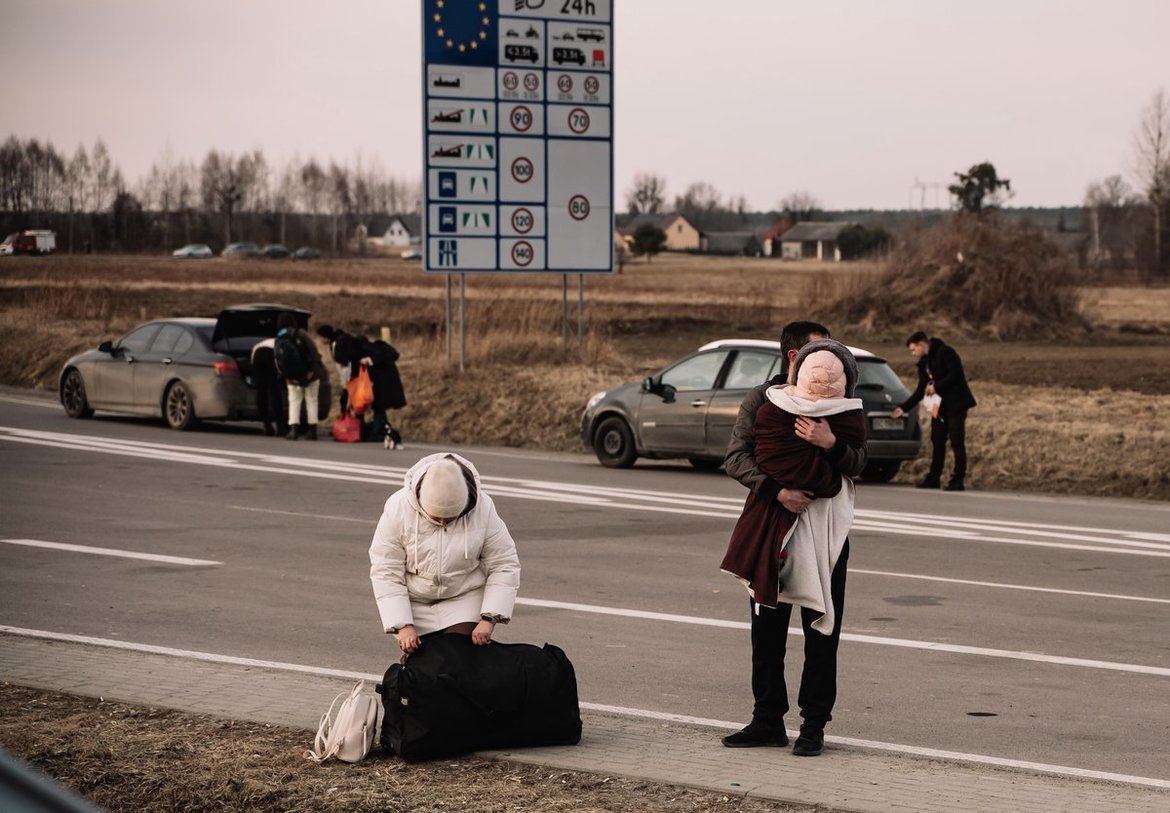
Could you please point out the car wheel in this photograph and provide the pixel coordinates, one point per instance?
(880, 471)
(178, 410)
(73, 396)
(613, 442)
(704, 464)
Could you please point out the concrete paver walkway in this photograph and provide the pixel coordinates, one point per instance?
(844, 777)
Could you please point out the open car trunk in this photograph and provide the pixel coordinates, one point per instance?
(239, 327)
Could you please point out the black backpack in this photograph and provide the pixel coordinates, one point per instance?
(291, 360)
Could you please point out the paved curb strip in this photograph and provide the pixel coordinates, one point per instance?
(844, 777)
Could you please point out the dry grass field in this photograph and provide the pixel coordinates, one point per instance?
(1087, 414)
(125, 759)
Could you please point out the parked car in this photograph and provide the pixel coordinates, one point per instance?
(306, 253)
(181, 370)
(274, 251)
(241, 250)
(687, 409)
(410, 254)
(193, 251)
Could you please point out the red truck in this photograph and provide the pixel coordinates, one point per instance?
(32, 241)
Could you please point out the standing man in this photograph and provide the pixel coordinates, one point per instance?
(818, 682)
(940, 372)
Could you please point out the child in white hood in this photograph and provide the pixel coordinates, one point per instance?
(441, 559)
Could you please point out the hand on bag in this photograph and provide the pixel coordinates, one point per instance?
(482, 634)
(407, 639)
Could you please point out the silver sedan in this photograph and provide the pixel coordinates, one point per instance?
(166, 368)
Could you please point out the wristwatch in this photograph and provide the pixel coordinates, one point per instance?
(493, 617)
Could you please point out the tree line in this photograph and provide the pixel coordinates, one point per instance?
(224, 198)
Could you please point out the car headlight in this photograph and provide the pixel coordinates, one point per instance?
(594, 398)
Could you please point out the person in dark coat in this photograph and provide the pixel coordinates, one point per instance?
(271, 393)
(940, 372)
(769, 625)
(380, 360)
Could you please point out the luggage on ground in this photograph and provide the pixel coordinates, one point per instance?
(347, 428)
(451, 697)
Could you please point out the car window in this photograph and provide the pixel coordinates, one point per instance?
(696, 373)
(164, 342)
(183, 344)
(877, 375)
(137, 340)
(750, 367)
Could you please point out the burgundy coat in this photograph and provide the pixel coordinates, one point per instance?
(753, 553)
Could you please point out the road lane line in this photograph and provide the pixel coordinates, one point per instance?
(932, 753)
(122, 554)
(904, 643)
(941, 528)
(1026, 587)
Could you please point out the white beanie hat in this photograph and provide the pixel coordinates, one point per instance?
(822, 375)
(443, 491)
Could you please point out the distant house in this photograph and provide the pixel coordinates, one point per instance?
(680, 234)
(736, 243)
(812, 240)
(770, 239)
(393, 230)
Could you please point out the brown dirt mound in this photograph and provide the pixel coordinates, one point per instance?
(970, 277)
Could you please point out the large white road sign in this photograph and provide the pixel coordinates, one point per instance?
(518, 135)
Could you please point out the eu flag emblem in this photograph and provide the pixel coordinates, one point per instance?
(460, 32)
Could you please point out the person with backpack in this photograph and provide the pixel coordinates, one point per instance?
(299, 363)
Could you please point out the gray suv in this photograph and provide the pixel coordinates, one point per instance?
(687, 410)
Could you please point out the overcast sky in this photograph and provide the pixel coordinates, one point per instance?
(851, 100)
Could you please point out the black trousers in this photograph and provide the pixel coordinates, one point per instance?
(818, 680)
(950, 426)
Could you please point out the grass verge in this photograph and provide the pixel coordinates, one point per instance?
(134, 759)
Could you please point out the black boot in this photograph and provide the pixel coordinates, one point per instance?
(810, 742)
(292, 433)
(954, 485)
(930, 481)
(311, 432)
(756, 734)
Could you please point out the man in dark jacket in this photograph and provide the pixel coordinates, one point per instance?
(940, 372)
(818, 682)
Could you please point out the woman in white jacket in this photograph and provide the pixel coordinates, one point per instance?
(441, 558)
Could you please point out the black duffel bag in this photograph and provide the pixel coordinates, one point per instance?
(452, 697)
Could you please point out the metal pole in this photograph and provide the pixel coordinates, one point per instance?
(447, 316)
(462, 319)
(580, 314)
(564, 313)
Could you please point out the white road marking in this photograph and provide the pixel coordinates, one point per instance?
(937, 527)
(1000, 585)
(904, 643)
(933, 753)
(123, 554)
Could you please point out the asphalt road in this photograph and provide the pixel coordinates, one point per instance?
(1020, 627)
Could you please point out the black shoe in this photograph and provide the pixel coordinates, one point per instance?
(954, 485)
(929, 482)
(810, 742)
(268, 430)
(755, 734)
(292, 434)
(311, 432)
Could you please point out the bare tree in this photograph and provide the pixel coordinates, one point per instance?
(799, 206)
(698, 203)
(340, 201)
(221, 187)
(77, 186)
(647, 195)
(1110, 206)
(1151, 148)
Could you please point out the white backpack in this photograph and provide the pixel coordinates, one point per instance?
(349, 733)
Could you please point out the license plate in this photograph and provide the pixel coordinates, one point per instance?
(889, 423)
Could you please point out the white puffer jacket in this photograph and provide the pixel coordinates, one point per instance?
(432, 576)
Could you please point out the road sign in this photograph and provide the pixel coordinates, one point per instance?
(518, 135)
